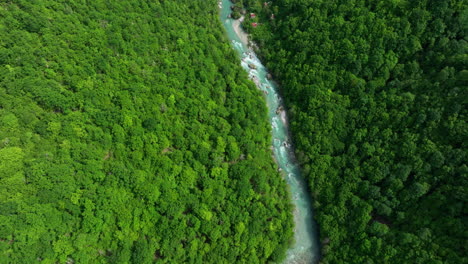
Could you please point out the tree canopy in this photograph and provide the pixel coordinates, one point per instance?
(129, 133)
(376, 92)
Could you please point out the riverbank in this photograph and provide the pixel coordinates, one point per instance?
(244, 37)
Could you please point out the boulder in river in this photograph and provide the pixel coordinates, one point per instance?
(252, 66)
(269, 76)
(279, 109)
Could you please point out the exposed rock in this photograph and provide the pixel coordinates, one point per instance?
(279, 109)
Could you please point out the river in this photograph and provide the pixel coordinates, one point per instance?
(306, 247)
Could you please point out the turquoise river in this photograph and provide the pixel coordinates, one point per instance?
(305, 249)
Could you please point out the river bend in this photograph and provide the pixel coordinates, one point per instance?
(306, 246)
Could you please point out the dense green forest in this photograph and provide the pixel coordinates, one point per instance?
(129, 133)
(377, 96)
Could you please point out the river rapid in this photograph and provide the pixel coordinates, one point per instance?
(305, 249)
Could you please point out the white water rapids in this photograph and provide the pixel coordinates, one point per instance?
(306, 246)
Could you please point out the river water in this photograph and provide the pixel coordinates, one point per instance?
(306, 246)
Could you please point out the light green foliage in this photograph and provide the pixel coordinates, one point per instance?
(123, 132)
(11, 161)
(376, 92)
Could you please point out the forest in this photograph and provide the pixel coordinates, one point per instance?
(377, 96)
(129, 133)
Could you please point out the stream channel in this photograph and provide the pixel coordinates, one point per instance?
(306, 247)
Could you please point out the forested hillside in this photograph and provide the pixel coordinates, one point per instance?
(377, 95)
(130, 134)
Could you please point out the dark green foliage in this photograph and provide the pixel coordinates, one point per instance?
(377, 91)
(130, 134)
